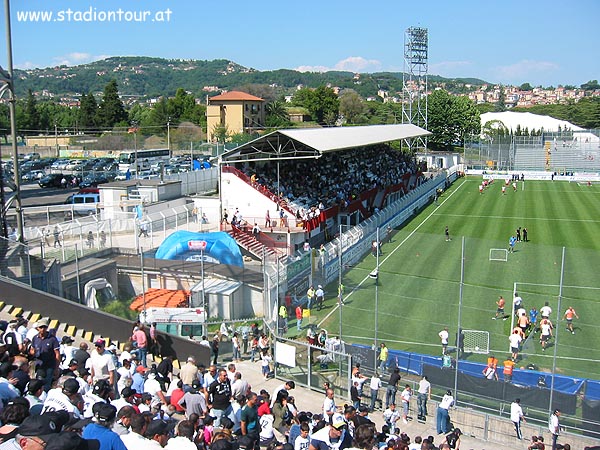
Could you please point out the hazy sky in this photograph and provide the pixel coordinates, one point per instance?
(511, 42)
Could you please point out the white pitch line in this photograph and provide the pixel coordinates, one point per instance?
(392, 252)
(546, 219)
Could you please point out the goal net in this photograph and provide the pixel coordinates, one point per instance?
(498, 254)
(476, 341)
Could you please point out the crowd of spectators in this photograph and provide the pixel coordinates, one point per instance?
(336, 178)
(58, 395)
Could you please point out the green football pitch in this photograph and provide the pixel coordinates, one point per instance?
(419, 288)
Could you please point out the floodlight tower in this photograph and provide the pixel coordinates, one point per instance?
(414, 82)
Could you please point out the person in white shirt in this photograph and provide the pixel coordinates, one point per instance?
(515, 342)
(423, 395)
(64, 398)
(101, 364)
(545, 311)
(302, 442)
(443, 417)
(516, 415)
(554, 426)
(405, 396)
(517, 302)
(125, 376)
(444, 338)
(391, 416)
(329, 407)
(375, 385)
(135, 440)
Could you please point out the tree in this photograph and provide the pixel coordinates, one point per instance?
(526, 87)
(277, 116)
(88, 111)
(591, 85)
(321, 102)
(352, 107)
(450, 119)
(31, 116)
(184, 133)
(501, 103)
(111, 111)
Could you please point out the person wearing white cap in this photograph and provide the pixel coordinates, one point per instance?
(44, 347)
(333, 437)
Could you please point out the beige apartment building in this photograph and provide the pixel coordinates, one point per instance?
(238, 111)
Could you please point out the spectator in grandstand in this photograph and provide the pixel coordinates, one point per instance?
(569, 314)
(423, 395)
(516, 415)
(375, 385)
(45, 348)
(392, 387)
(554, 427)
(443, 417)
(383, 357)
(334, 436)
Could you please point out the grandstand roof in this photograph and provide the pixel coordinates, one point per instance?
(313, 142)
(528, 120)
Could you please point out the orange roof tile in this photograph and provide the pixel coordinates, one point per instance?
(235, 96)
(161, 298)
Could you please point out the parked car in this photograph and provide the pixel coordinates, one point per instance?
(31, 156)
(33, 175)
(93, 180)
(60, 164)
(31, 165)
(52, 180)
(75, 164)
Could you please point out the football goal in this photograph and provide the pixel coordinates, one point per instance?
(476, 341)
(498, 254)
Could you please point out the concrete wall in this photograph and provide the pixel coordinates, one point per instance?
(90, 320)
(501, 430)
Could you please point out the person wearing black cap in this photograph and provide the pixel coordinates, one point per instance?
(67, 351)
(100, 393)
(127, 399)
(100, 428)
(158, 431)
(36, 431)
(64, 399)
(35, 388)
(193, 401)
(67, 440)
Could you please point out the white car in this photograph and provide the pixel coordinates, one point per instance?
(75, 164)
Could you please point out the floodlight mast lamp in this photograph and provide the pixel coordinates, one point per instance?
(414, 82)
(9, 80)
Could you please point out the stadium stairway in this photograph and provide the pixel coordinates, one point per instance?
(249, 243)
(9, 312)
